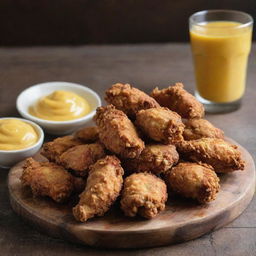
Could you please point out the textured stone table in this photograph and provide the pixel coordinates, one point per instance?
(144, 66)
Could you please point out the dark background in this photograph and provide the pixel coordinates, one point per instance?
(76, 22)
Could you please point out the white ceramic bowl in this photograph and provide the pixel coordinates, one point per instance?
(32, 94)
(10, 157)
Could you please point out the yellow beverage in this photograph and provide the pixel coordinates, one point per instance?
(220, 51)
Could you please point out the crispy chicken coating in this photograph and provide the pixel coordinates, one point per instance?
(143, 194)
(52, 150)
(201, 128)
(155, 158)
(47, 179)
(79, 158)
(221, 155)
(129, 99)
(179, 100)
(103, 186)
(161, 124)
(88, 134)
(195, 181)
(118, 133)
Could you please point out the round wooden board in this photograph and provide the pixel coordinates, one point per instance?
(181, 221)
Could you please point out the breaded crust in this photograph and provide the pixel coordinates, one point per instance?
(79, 158)
(179, 100)
(201, 128)
(221, 155)
(195, 181)
(155, 158)
(143, 194)
(103, 186)
(129, 99)
(54, 149)
(161, 124)
(117, 132)
(47, 179)
(87, 134)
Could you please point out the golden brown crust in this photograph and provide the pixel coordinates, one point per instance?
(143, 194)
(221, 155)
(161, 124)
(129, 99)
(47, 179)
(195, 181)
(179, 100)
(103, 186)
(201, 128)
(79, 158)
(155, 158)
(117, 132)
(88, 134)
(52, 150)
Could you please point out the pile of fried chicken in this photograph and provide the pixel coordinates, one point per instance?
(141, 147)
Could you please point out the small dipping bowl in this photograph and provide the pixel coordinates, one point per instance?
(31, 95)
(10, 157)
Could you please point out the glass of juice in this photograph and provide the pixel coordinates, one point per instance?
(221, 43)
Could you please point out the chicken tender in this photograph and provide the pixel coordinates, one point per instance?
(195, 181)
(201, 128)
(53, 150)
(47, 179)
(88, 134)
(129, 99)
(103, 186)
(179, 100)
(79, 158)
(155, 158)
(143, 194)
(221, 155)
(118, 133)
(161, 124)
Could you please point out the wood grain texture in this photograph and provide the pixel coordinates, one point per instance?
(98, 67)
(181, 221)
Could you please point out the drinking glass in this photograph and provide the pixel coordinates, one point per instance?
(220, 43)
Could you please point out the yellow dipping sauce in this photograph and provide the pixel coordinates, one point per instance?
(220, 50)
(60, 106)
(16, 134)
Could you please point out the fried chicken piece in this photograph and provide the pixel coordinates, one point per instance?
(88, 134)
(143, 194)
(155, 158)
(103, 186)
(117, 132)
(201, 128)
(47, 179)
(79, 158)
(179, 100)
(195, 181)
(53, 150)
(161, 124)
(221, 155)
(129, 99)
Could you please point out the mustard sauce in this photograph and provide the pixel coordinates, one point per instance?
(60, 106)
(16, 134)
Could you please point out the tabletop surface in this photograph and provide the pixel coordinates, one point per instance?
(144, 66)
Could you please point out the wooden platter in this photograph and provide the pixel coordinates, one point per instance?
(181, 221)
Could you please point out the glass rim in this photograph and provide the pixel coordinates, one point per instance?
(249, 23)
